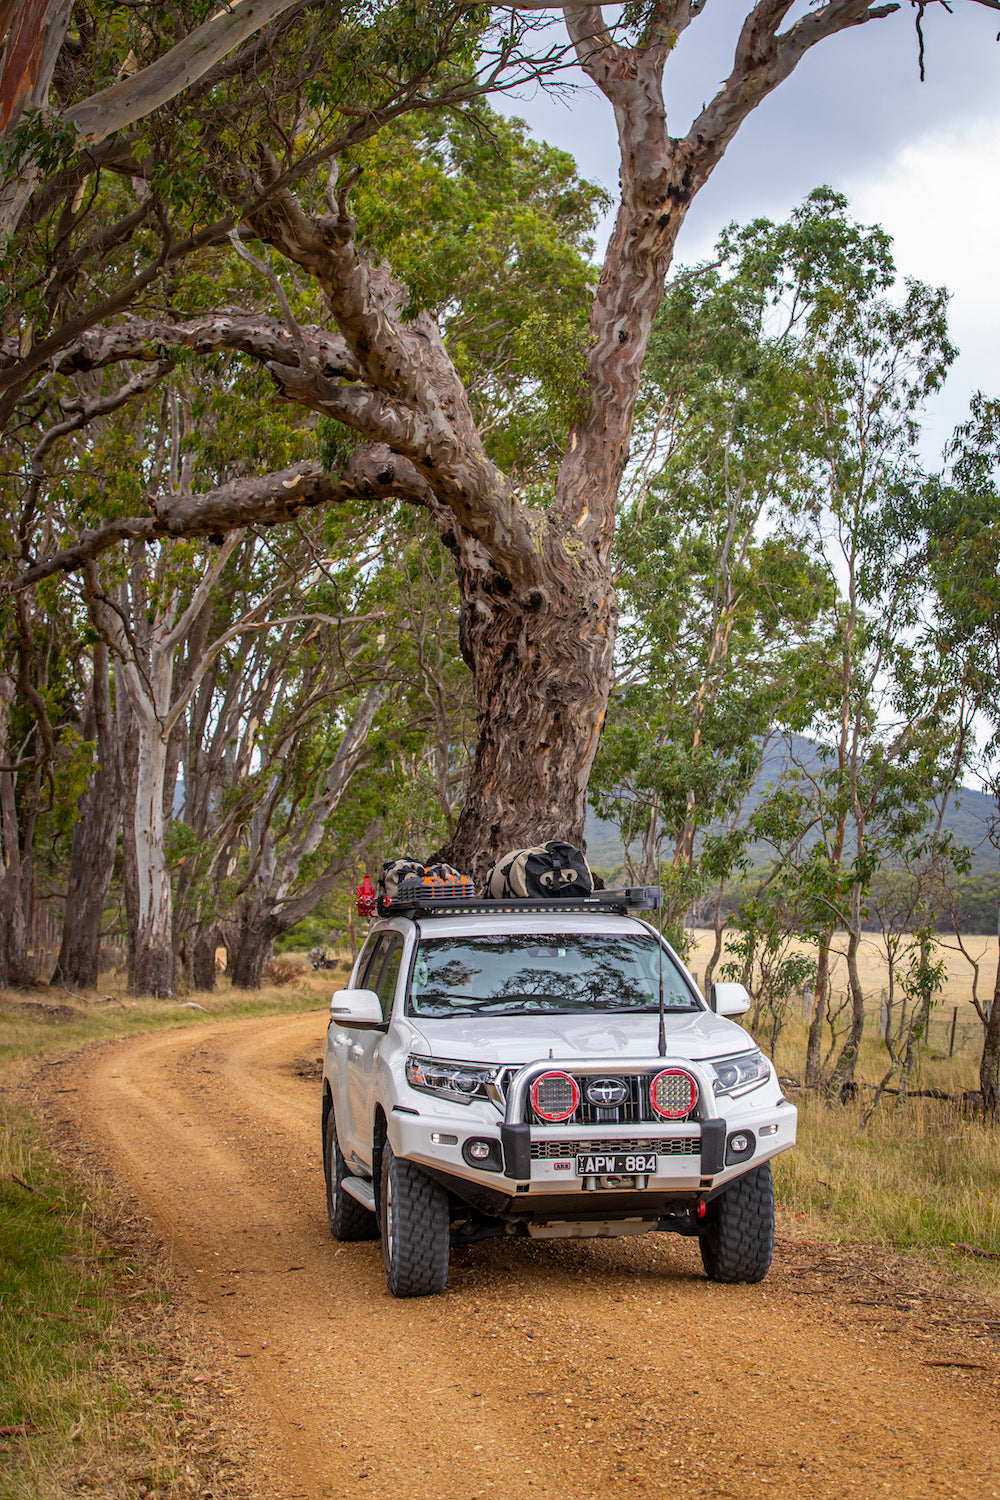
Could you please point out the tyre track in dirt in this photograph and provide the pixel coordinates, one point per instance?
(565, 1369)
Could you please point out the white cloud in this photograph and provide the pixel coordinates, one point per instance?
(939, 198)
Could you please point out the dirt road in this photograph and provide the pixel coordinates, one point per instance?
(569, 1370)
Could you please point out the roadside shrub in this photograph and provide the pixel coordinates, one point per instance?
(281, 971)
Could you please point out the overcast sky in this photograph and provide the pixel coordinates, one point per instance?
(921, 158)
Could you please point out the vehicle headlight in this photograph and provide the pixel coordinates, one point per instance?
(452, 1080)
(734, 1075)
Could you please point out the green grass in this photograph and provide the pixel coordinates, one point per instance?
(56, 1307)
(48, 1021)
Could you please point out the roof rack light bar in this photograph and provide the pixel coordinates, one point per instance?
(626, 898)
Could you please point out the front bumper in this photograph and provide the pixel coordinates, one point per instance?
(539, 1162)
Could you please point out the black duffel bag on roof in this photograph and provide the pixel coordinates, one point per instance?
(546, 870)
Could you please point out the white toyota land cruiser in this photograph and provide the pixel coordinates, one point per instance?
(543, 1068)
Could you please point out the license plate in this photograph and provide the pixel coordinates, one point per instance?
(617, 1164)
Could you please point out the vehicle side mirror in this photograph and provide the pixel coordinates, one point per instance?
(356, 1008)
(729, 999)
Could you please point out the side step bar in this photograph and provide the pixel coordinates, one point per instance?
(361, 1190)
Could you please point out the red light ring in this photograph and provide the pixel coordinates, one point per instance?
(544, 1114)
(673, 1114)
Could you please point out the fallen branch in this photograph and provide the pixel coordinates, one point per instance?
(968, 1096)
(977, 1251)
(27, 1187)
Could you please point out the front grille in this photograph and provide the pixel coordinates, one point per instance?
(635, 1108)
(633, 1111)
(689, 1145)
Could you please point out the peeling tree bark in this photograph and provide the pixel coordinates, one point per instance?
(36, 30)
(542, 662)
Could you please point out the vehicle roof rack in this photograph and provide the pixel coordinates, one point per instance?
(622, 900)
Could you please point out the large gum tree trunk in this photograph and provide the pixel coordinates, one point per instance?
(542, 663)
(128, 764)
(154, 952)
(203, 958)
(95, 835)
(254, 946)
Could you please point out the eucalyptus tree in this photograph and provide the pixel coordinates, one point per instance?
(720, 592)
(774, 588)
(46, 756)
(882, 728)
(94, 839)
(538, 614)
(276, 732)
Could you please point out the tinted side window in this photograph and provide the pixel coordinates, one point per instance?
(387, 984)
(368, 973)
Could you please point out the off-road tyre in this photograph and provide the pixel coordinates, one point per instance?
(416, 1222)
(348, 1219)
(738, 1238)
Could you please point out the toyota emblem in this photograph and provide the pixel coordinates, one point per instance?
(605, 1092)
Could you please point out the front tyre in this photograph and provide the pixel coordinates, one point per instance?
(416, 1229)
(738, 1239)
(348, 1219)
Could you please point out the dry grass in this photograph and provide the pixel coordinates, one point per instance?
(955, 991)
(46, 1019)
(924, 1176)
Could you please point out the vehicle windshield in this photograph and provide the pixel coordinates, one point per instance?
(526, 974)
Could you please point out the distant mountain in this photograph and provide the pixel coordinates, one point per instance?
(967, 818)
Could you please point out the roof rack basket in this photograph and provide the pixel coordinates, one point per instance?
(621, 901)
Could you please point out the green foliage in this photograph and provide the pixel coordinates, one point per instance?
(960, 517)
(770, 584)
(723, 596)
(491, 233)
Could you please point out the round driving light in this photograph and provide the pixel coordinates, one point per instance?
(554, 1096)
(741, 1146)
(483, 1153)
(673, 1094)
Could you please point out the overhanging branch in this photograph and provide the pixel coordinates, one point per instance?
(265, 500)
